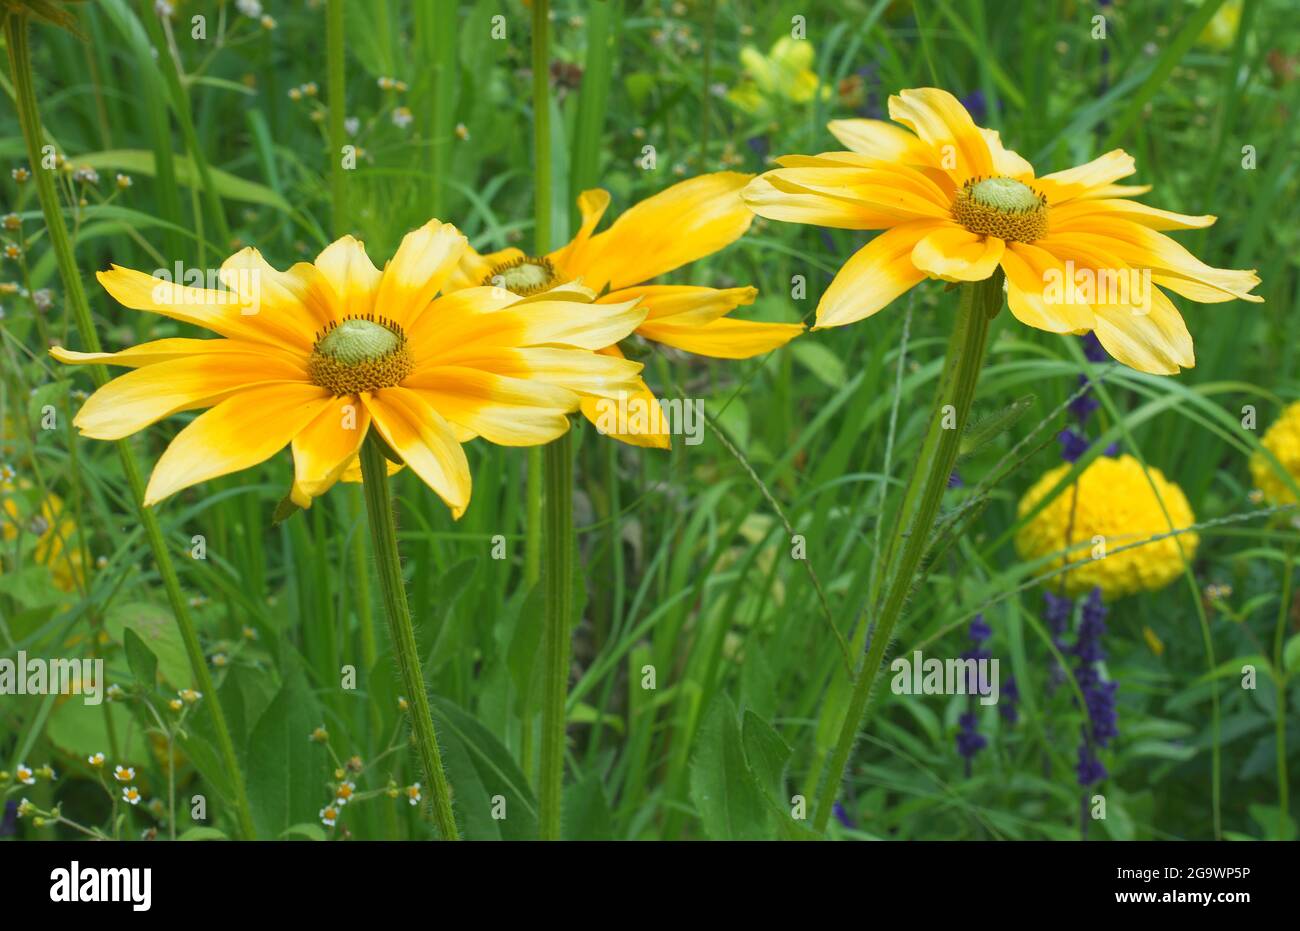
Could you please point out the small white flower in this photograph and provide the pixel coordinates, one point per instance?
(25, 775)
(402, 117)
(124, 773)
(344, 793)
(96, 760)
(189, 696)
(413, 793)
(352, 125)
(131, 795)
(329, 814)
(250, 8)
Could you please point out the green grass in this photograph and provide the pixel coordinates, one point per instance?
(685, 556)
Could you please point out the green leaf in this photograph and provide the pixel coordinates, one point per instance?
(481, 769)
(724, 789)
(203, 832)
(308, 829)
(586, 811)
(141, 162)
(818, 359)
(144, 665)
(156, 629)
(286, 771)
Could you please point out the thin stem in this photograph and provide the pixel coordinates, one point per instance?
(15, 26)
(558, 470)
(388, 565)
(980, 302)
(556, 634)
(1280, 682)
(336, 89)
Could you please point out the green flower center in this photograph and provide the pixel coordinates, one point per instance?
(524, 276)
(1002, 207)
(360, 354)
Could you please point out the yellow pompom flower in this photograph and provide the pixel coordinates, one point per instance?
(1111, 505)
(956, 205)
(1282, 439)
(315, 356)
(677, 226)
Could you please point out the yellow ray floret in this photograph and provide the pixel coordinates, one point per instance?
(316, 356)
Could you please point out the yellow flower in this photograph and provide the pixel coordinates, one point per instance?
(1110, 505)
(317, 355)
(1282, 439)
(55, 547)
(677, 226)
(784, 74)
(956, 205)
(1220, 32)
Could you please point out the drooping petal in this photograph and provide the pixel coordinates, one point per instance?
(634, 417)
(1091, 215)
(425, 441)
(897, 194)
(688, 221)
(1156, 342)
(243, 430)
(133, 401)
(953, 253)
(876, 274)
(943, 124)
(323, 450)
(424, 261)
(804, 206)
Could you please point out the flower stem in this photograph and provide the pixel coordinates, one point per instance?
(980, 302)
(383, 536)
(15, 27)
(336, 88)
(557, 620)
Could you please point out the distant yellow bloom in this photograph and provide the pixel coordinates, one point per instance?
(1110, 506)
(55, 533)
(784, 74)
(956, 205)
(686, 222)
(1282, 439)
(316, 355)
(1221, 31)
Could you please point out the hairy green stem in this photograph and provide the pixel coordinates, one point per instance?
(15, 27)
(388, 565)
(910, 537)
(557, 619)
(336, 89)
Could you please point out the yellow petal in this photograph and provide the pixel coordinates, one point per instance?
(347, 280)
(324, 449)
(956, 254)
(1061, 186)
(723, 338)
(243, 430)
(683, 305)
(1005, 161)
(223, 312)
(425, 441)
(133, 401)
(469, 334)
(424, 261)
(896, 194)
(876, 274)
(604, 373)
(943, 124)
(811, 207)
(1156, 342)
(474, 269)
(279, 296)
(506, 411)
(1029, 270)
(167, 350)
(634, 418)
(686, 222)
(1093, 214)
(591, 206)
(883, 141)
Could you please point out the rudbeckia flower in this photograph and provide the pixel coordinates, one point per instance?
(677, 226)
(316, 356)
(785, 73)
(955, 204)
(1111, 505)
